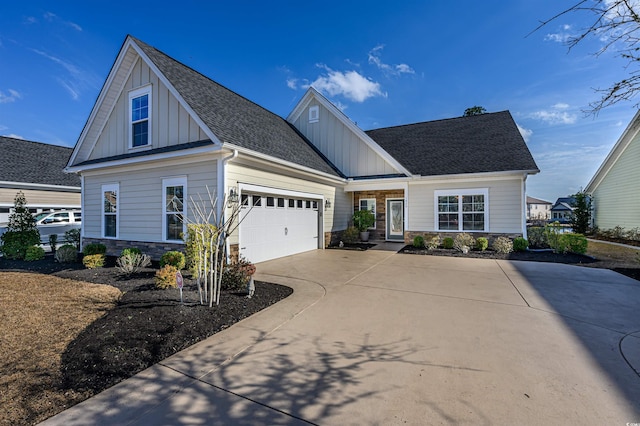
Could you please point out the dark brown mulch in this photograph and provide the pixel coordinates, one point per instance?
(146, 326)
(530, 256)
(353, 246)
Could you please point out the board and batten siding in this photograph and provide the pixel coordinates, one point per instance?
(171, 124)
(617, 197)
(341, 145)
(505, 204)
(334, 218)
(140, 197)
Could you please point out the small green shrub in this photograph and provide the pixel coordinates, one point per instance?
(173, 258)
(66, 254)
(93, 261)
(433, 242)
(418, 241)
(131, 262)
(447, 242)
(537, 237)
(575, 243)
(199, 237)
(53, 242)
(351, 235)
(553, 233)
(94, 248)
(14, 244)
(72, 236)
(166, 277)
(520, 244)
(464, 242)
(34, 253)
(482, 243)
(502, 245)
(236, 275)
(131, 250)
(363, 219)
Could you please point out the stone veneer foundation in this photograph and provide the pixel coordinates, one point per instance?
(154, 250)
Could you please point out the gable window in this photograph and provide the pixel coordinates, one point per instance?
(140, 117)
(314, 114)
(110, 210)
(462, 210)
(369, 204)
(174, 208)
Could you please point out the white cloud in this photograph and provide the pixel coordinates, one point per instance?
(558, 114)
(3, 128)
(350, 84)
(73, 91)
(374, 58)
(11, 97)
(526, 133)
(51, 17)
(12, 135)
(292, 83)
(340, 106)
(31, 20)
(562, 36)
(561, 105)
(69, 67)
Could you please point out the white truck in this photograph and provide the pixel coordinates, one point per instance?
(56, 222)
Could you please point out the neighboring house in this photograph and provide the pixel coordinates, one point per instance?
(562, 210)
(160, 134)
(538, 209)
(36, 169)
(615, 187)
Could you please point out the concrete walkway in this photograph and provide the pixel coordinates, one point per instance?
(382, 338)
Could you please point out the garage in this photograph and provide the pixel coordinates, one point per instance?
(278, 225)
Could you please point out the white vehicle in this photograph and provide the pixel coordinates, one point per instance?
(57, 223)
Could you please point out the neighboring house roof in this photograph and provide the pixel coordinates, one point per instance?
(531, 200)
(236, 120)
(562, 206)
(477, 144)
(38, 163)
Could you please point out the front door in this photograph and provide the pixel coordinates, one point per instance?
(395, 220)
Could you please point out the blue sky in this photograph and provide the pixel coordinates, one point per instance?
(383, 63)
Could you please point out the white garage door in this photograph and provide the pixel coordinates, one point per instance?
(275, 226)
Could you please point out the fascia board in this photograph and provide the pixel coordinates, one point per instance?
(39, 186)
(618, 149)
(520, 174)
(341, 116)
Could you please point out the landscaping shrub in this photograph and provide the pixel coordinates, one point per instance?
(194, 245)
(447, 242)
(21, 231)
(537, 237)
(575, 243)
(418, 241)
(173, 258)
(236, 275)
(482, 243)
(617, 232)
(363, 220)
(66, 254)
(520, 244)
(131, 250)
(72, 236)
(502, 245)
(433, 242)
(53, 242)
(131, 261)
(94, 248)
(166, 277)
(34, 253)
(464, 242)
(552, 233)
(350, 235)
(93, 261)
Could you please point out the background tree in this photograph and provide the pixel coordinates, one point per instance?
(581, 219)
(615, 23)
(474, 110)
(21, 232)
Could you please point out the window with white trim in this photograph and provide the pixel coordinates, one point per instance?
(314, 114)
(174, 207)
(369, 204)
(110, 210)
(462, 210)
(140, 117)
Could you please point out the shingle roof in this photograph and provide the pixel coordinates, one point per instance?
(481, 143)
(532, 200)
(35, 162)
(236, 120)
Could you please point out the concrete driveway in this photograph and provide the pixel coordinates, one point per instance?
(382, 338)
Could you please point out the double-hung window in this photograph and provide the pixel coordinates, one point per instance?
(140, 117)
(174, 191)
(462, 210)
(110, 210)
(369, 204)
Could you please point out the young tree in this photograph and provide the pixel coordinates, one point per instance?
(581, 219)
(474, 110)
(615, 23)
(21, 231)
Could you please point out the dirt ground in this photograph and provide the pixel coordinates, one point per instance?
(68, 337)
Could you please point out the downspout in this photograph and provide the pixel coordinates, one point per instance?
(222, 179)
(524, 206)
(82, 210)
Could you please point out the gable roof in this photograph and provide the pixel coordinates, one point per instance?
(483, 143)
(234, 119)
(531, 200)
(39, 163)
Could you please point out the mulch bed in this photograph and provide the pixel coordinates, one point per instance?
(353, 246)
(146, 326)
